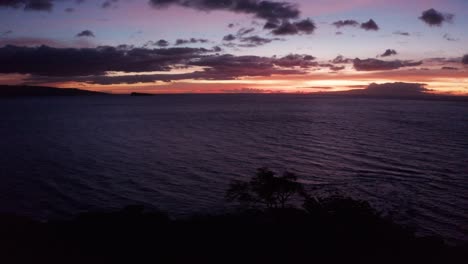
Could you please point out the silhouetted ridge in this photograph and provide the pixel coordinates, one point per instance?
(17, 90)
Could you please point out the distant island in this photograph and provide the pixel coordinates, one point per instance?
(140, 94)
(25, 90)
(412, 91)
(396, 90)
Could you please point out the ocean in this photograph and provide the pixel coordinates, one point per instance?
(63, 155)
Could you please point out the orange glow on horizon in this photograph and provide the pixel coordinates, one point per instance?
(440, 81)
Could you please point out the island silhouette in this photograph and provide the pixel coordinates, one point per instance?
(397, 90)
(25, 90)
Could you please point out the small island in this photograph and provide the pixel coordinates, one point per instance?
(140, 94)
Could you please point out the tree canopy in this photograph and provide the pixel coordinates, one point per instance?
(265, 189)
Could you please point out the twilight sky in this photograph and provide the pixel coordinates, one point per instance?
(173, 46)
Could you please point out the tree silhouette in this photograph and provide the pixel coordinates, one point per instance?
(265, 189)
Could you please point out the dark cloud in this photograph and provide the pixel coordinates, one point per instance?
(244, 31)
(263, 9)
(109, 3)
(442, 60)
(340, 59)
(86, 33)
(389, 52)
(39, 5)
(332, 67)
(125, 47)
(228, 61)
(449, 68)
(306, 26)
(6, 33)
(32, 5)
(449, 38)
(286, 28)
(401, 33)
(190, 41)
(270, 25)
(91, 64)
(49, 61)
(216, 67)
(370, 25)
(255, 65)
(162, 43)
(380, 65)
(337, 68)
(229, 37)
(277, 14)
(433, 17)
(231, 25)
(69, 10)
(255, 41)
(230, 44)
(247, 42)
(338, 33)
(465, 59)
(343, 23)
(107, 80)
(12, 3)
(295, 60)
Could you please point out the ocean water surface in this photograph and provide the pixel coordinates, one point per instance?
(64, 155)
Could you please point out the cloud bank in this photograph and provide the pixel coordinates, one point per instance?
(92, 65)
(381, 65)
(268, 10)
(49, 61)
(28, 5)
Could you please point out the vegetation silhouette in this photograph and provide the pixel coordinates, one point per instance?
(265, 189)
(269, 229)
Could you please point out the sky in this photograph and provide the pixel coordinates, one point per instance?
(232, 46)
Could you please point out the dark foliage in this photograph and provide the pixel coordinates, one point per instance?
(332, 229)
(265, 189)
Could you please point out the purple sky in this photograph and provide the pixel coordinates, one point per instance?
(246, 45)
